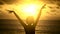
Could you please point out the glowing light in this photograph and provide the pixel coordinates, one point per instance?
(25, 10)
(29, 9)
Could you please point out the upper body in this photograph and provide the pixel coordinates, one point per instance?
(30, 28)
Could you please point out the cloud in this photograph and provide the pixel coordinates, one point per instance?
(50, 1)
(8, 1)
(1, 3)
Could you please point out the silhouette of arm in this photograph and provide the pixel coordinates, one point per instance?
(39, 15)
(21, 21)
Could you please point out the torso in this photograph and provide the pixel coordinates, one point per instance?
(29, 29)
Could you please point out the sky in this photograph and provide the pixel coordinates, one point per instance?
(50, 12)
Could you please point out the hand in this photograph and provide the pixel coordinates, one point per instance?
(10, 11)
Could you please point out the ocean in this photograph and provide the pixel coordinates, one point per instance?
(10, 26)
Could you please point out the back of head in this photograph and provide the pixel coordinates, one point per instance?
(30, 20)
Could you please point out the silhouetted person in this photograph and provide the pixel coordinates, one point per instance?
(30, 26)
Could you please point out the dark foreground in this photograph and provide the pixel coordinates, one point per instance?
(43, 27)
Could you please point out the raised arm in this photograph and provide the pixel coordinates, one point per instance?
(21, 21)
(39, 15)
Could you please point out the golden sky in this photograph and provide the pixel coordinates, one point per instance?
(50, 12)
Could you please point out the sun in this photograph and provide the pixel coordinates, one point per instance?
(29, 9)
(25, 10)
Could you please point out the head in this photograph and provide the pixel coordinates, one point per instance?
(30, 20)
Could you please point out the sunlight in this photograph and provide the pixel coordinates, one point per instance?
(29, 9)
(25, 10)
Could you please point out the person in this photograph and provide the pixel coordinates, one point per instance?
(30, 27)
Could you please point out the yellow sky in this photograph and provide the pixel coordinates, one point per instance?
(46, 12)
